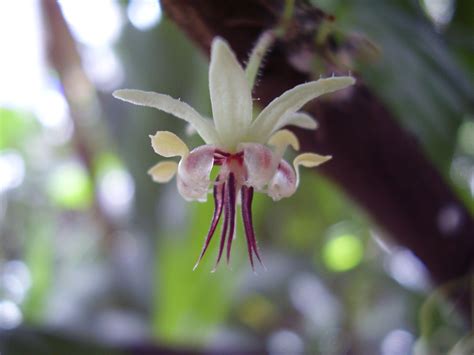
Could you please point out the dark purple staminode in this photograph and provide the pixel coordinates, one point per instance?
(225, 200)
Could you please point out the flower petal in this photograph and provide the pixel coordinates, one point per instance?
(308, 160)
(282, 139)
(230, 94)
(298, 119)
(163, 171)
(194, 171)
(254, 62)
(283, 183)
(168, 144)
(291, 101)
(260, 164)
(172, 106)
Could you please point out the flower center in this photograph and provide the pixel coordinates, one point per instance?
(221, 157)
(231, 163)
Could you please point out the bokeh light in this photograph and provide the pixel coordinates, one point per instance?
(21, 38)
(116, 190)
(407, 269)
(144, 14)
(343, 252)
(285, 342)
(15, 280)
(95, 24)
(70, 187)
(103, 68)
(12, 170)
(10, 315)
(439, 11)
(315, 302)
(397, 342)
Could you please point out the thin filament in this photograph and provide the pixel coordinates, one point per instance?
(225, 225)
(247, 197)
(231, 202)
(218, 204)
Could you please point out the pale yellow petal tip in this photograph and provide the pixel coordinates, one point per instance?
(123, 94)
(310, 160)
(311, 125)
(219, 41)
(345, 80)
(163, 172)
(284, 138)
(338, 82)
(303, 120)
(117, 93)
(168, 144)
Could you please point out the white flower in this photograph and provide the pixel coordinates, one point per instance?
(248, 151)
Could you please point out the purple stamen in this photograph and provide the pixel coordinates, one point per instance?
(219, 190)
(231, 206)
(247, 196)
(225, 225)
(225, 202)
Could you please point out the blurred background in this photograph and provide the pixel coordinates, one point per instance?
(96, 258)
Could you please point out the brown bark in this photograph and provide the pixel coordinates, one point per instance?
(376, 162)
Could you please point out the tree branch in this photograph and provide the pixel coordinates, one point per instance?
(376, 162)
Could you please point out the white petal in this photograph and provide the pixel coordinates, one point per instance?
(298, 119)
(254, 62)
(308, 160)
(230, 94)
(168, 144)
(189, 193)
(173, 106)
(194, 171)
(260, 164)
(291, 101)
(163, 171)
(283, 183)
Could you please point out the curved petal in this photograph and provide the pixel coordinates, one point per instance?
(292, 100)
(308, 160)
(282, 139)
(168, 144)
(260, 164)
(298, 119)
(194, 171)
(172, 106)
(163, 171)
(283, 183)
(230, 94)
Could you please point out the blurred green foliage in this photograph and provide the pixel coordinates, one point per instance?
(15, 126)
(70, 187)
